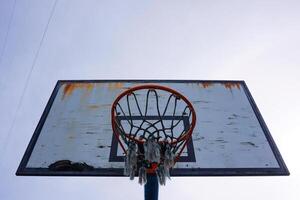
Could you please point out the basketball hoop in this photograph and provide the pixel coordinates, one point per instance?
(154, 136)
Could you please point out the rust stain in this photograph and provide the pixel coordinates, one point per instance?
(71, 87)
(232, 85)
(115, 86)
(206, 84)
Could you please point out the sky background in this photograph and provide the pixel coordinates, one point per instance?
(44, 41)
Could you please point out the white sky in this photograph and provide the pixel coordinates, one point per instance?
(256, 41)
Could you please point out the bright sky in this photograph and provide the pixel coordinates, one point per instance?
(43, 41)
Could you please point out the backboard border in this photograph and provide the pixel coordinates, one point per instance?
(282, 170)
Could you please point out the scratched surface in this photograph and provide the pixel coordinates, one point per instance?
(227, 134)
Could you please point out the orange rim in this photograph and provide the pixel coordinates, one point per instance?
(185, 136)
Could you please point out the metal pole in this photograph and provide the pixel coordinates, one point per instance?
(151, 187)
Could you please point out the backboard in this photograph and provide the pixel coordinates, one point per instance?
(230, 137)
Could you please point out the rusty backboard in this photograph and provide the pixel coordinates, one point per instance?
(230, 137)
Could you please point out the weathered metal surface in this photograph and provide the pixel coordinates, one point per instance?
(230, 133)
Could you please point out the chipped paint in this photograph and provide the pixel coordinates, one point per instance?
(249, 143)
(71, 87)
(221, 141)
(90, 133)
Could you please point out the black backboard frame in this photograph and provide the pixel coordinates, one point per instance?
(282, 170)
